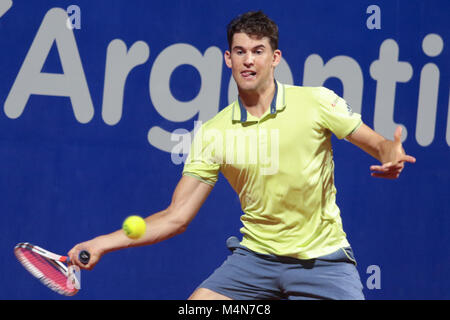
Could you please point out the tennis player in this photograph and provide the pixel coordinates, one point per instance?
(293, 244)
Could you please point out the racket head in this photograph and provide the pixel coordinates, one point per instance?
(46, 266)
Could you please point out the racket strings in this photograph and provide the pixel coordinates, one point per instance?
(48, 271)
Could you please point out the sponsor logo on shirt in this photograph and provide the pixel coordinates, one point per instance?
(350, 111)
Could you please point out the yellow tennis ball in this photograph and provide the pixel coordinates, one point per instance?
(134, 227)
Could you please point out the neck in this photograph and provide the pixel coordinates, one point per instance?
(256, 102)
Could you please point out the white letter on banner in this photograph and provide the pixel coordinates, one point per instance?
(119, 64)
(432, 46)
(387, 70)
(206, 103)
(30, 80)
(344, 68)
(447, 135)
(5, 5)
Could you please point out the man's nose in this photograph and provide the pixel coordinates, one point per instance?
(249, 60)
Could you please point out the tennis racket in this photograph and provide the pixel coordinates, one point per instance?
(53, 270)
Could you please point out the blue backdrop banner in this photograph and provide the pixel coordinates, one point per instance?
(96, 97)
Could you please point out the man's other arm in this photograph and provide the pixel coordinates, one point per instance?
(187, 199)
(390, 153)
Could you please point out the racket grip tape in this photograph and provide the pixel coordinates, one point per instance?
(84, 257)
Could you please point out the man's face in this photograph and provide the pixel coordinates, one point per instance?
(252, 61)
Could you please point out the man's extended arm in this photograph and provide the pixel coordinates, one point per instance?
(390, 153)
(188, 197)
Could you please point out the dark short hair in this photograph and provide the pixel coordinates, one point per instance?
(254, 23)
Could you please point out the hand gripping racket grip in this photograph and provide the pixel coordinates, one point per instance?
(84, 257)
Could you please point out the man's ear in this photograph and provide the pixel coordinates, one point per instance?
(227, 57)
(276, 57)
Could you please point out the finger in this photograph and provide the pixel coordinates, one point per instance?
(387, 173)
(389, 170)
(382, 167)
(390, 165)
(398, 134)
(378, 168)
(385, 176)
(397, 166)
(386, 167)
(90, 265)
(71, 254)
(409, 159)
(74, 259)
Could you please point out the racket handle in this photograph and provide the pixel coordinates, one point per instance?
(84, 257)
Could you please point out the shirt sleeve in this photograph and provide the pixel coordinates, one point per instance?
(335, 114)
(201, 162)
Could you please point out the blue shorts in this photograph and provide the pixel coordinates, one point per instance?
(247, 275)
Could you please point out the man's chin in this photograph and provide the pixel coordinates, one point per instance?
(247, 85)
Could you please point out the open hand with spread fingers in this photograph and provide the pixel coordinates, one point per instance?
(393, 158)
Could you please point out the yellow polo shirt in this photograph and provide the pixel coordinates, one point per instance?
(281, 166)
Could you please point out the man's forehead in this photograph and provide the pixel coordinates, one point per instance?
(244, 40)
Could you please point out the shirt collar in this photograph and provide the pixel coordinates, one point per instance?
(278, 103)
